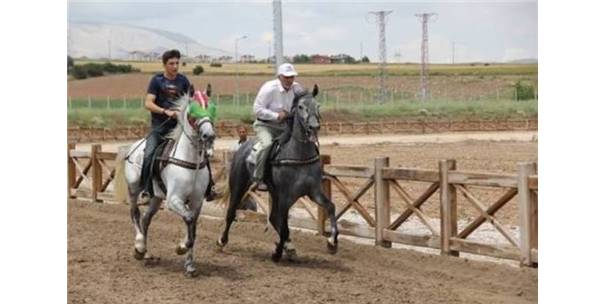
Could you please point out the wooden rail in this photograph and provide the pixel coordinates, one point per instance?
(90, 175)
(419, 126)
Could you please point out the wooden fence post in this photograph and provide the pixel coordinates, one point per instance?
(71, 171)
(448, 208)
(382, 203)
(96, 173)
(326, 188)
(528, 213)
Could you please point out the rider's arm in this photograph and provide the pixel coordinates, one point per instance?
(151, 105)
(152, 91)
(262, 102)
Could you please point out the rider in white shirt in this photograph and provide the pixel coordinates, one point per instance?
(271, 108)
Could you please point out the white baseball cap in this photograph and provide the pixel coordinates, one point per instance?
(287, 69)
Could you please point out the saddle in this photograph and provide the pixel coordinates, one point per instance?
(162, 158)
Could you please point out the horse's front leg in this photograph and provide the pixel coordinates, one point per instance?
(190, 267)
(319, 198)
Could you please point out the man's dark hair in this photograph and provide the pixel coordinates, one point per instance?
(170, 54)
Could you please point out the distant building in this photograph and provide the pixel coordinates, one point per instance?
(320, 59)
(224, 59)
(203, 58)
(247, 58)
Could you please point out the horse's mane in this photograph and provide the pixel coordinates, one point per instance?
(181, 104)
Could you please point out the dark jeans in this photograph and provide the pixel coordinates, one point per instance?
(155, 138)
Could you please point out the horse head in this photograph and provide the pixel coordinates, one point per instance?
(306, 111)
(197, 117)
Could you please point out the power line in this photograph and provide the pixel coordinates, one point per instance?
(425, 55)
(380, 19)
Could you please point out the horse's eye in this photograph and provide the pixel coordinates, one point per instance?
(301, 107)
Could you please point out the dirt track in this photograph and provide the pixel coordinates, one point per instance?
(101, 268)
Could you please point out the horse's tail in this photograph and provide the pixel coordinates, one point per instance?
(225, 192)
(120, 185)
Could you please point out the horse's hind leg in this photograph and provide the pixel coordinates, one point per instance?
(152, 209)
(279, 219)
(230, 216)
(319, 198)
(135, 216)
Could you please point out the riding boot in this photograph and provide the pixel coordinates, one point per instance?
(146, 184)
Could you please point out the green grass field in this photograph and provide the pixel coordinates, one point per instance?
(100, 115)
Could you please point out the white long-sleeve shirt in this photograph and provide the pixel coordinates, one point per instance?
(273, 98)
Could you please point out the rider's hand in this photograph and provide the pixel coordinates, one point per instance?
(171, 113)
(282, 115)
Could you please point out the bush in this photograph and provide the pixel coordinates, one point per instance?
(98, 69)
(79, 72)
(216, 64)
(70, 64)
(198, 70)
(523, 91)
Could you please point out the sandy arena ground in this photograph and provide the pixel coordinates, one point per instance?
(101, 268)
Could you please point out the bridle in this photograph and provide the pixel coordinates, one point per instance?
(304, 124)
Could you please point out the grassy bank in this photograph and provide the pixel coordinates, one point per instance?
(104, 116)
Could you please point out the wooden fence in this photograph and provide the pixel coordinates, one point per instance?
(93, 134)
(89, 176)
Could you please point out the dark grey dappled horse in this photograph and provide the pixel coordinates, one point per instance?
(293, 173)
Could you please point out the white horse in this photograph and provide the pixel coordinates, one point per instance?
(185, 177)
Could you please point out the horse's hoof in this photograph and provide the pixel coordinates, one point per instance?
(139, 255)
(332, 249)
(276, 257)
(291, 254)
(191, 273)
(219, 243)
(181, 250)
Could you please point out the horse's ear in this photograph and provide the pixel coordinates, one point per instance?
(315, 90)
(208, 90)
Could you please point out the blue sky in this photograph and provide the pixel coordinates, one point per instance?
(480, 30)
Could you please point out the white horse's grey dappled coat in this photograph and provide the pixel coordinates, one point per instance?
(185, 188)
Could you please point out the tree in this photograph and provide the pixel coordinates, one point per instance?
(301, 58)
(70, 63)
(365, 59)
(198, 70)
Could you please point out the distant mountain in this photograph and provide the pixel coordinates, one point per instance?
(99, 40)
(524, 61)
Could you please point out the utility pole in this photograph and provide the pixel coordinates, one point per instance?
(278, 50)
(361, 50)
(453, 52)
(424, 55)
(237, 69)
(380, 19)
(109, 49)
